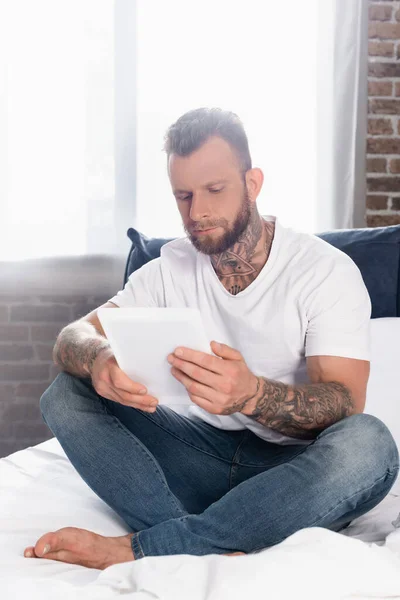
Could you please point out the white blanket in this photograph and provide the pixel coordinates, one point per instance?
(40, 491)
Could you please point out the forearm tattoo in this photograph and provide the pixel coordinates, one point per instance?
(77, 347)
(301, 411)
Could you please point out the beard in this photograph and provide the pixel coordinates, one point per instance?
(207, 245)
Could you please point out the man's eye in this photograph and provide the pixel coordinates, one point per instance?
(216, 191)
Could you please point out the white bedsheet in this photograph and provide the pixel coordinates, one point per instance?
(40, 491)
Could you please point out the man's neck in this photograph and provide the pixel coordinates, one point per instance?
(239, 266)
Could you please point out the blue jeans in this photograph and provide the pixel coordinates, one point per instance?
(186, 487)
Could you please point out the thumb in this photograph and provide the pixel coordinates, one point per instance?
(225, 351)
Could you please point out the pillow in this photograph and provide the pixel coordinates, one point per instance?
(375, 250)
(143, 250)
(383, 391)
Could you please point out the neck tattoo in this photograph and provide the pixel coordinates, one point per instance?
(239, 266)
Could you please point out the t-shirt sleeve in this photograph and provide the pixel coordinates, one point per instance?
(144, 288)
(339, 314)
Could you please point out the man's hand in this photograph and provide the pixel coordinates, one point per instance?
(112, 383)
(221, 384)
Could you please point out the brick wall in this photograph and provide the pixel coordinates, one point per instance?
(28, 328)
(383, 142)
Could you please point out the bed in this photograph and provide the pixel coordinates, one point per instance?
(40, 491)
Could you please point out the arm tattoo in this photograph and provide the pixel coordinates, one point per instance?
(77, 347)
(300, 411)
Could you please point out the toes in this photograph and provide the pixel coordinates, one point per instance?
(48, 542)
(29, 552)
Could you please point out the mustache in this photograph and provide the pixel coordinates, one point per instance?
(203, 228)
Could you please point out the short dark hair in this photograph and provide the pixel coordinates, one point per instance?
(194, 128)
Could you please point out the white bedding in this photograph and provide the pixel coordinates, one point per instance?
(41, 491)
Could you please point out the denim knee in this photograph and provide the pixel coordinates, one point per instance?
(363, 442)
(53, 396)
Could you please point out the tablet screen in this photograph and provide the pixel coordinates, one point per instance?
(142, 338)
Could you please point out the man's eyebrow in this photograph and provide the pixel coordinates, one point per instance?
(209, 184)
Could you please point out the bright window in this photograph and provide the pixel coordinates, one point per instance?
(255, 58)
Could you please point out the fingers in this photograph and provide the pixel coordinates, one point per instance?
(196, 388)
(197, 373)
(121, 381)
(206, 361)
(143, 402)
(140, 401)
(225, 351)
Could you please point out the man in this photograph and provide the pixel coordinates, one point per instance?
(275, 439)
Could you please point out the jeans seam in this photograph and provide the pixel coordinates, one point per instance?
(283, 462)
(136, 546)
(389, 472)
(183, 440)
(246, 435)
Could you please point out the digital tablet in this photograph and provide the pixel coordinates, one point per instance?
(142, 338)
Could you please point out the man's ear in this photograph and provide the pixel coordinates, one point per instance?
(254, 182)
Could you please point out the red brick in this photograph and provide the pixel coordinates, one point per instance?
(44, 351)
(380, 69)
(395, 165)
(15, 352)
(383, 145)
(380, 88)
(398, 52)
(379, 12)
(14, 333)
(3, 313)
(397, 88)
(55, 313)
(383, 184)
(376, 165)
(19, 411)
(81, 310)
(98, 300)
(377, 202)
(45, 333)
(24, 372)
(380, 106)
(380, 127)
(385, 49)
(398, 129)
(14, 299)
(31, 390)
(395, 203)
(30, 431)
(384, 31)
(397, 15)
(7, 393)
(61, 299)
(382, 220)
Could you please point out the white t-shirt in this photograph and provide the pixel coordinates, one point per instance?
(309, 299)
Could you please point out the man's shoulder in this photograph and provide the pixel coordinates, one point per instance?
(310, 249)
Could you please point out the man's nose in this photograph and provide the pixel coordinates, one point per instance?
(199, 209)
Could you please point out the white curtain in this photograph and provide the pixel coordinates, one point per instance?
(89, 87)
(342, 113)
(57, 192)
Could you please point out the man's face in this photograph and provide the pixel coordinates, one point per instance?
(211, 194)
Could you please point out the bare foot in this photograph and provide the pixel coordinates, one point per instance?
(234, 553)
(82, 547)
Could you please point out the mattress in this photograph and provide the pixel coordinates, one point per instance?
(40, 491)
